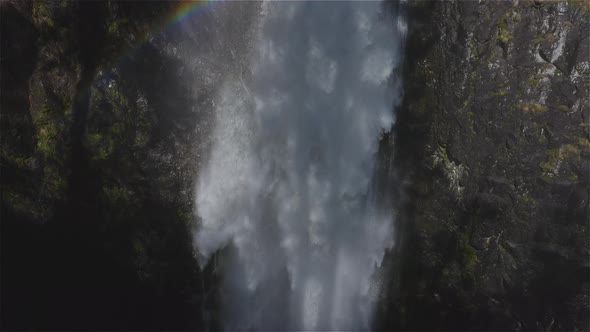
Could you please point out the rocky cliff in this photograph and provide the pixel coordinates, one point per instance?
(493, 153)
(95, 156)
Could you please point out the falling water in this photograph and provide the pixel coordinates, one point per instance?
(288, 187)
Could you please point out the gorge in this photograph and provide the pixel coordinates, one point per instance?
(234, 165)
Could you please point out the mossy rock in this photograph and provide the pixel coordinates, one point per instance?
(533, 107)
(503, 36)
(443, 151)
(555, 157)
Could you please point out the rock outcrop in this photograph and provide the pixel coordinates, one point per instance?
(96, 168)
(493, 153)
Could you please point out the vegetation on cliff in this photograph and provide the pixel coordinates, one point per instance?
(95, 217)
(495, 218)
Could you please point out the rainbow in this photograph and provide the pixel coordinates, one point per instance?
(180, 11)
(183, 10)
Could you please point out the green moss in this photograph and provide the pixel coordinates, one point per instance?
(501, 93)
(54, 183)
(538, 40)
(473, 50)
(584, 143)
(525, 199)
(582, 5)
(17, 160)
(22, 203)
(116, 194)
(533, 107)
(443, 150)
(546, 166)
(467, 254)
(547, 178)
(469, 257)
(23, 162)
(138, 247)
(516, 17)
(116, 27)
(468, 101)
(49, 130)
(563, 108)
(535, 80)
(117, 129)
(102, 146)
(503, 35)
(42, 14)
(45, 141)
(569, 151)
(59, 183)
(503, 85)
(556, 156)
(67, 107)
(56, 186)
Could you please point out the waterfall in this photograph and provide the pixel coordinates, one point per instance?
(288, 186)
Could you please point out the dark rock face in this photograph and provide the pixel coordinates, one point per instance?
(493, 141)
(102, 122)
(96, 202)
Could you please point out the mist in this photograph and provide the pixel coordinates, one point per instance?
(287, 188)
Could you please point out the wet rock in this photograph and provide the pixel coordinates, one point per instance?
(509, 107)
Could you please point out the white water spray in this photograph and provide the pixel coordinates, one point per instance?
(289, 181)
